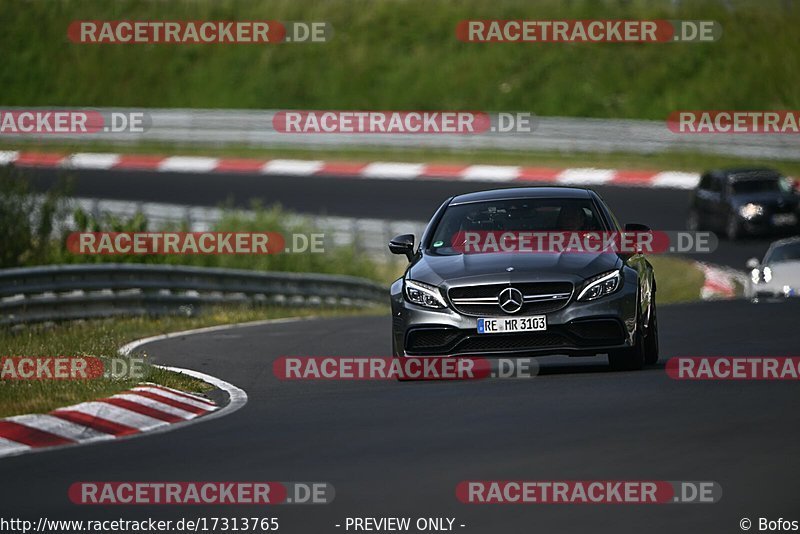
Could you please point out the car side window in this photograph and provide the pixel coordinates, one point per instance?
(705, 182)
(716, 184)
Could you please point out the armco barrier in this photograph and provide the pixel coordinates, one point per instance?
(369, 236)
(69, 292)
(253, 127)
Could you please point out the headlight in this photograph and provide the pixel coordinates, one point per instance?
(749, 211)
(423, 294)
(767, 274)
(600, 286)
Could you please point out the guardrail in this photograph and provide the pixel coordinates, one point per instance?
(70, 292)
(253, 127)
(368, 236)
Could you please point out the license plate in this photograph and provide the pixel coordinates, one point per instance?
(501, 325)
(784, 219)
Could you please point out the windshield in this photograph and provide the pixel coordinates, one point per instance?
(515, 215)
(769, 185)
(782, 253)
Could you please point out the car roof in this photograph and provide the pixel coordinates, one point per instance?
(748, 173)
(787, 241)
(521, 192)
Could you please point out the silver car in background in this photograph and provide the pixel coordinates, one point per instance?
(778, 275)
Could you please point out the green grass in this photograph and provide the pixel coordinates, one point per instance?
(677, 279)
(403, 54)
(103, 338)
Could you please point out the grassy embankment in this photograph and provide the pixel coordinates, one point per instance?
(393, 54)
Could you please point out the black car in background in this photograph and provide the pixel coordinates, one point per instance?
(740, 202)
(449, 303)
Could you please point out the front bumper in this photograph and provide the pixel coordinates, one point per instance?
(763, 225)
(774, 292)
(578, 329)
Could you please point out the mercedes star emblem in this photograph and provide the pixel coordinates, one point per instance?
(510, 300)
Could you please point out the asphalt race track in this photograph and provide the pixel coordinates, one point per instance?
(661, 209)
(400, 448)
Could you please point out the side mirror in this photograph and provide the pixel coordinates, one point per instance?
(403, 244)
(752, 263)
(636, 227)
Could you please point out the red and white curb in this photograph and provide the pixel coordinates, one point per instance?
(720, 282)
(367, 170)
(141, 409)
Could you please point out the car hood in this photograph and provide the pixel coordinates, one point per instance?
(512, 267)
(767, 199)
(785, 273)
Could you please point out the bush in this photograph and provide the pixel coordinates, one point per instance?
(33, 232)
(27, 221)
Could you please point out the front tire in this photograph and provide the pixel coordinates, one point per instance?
(651, 339)
(631, 358)
(400, 378)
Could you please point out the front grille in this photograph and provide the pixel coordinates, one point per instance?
(481, 300)
(451, 341)
(494, 342)
(421, 340)
(785, 207)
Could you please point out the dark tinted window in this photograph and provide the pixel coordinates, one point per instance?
(756, 186)
(516, 215)
(787, 252)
